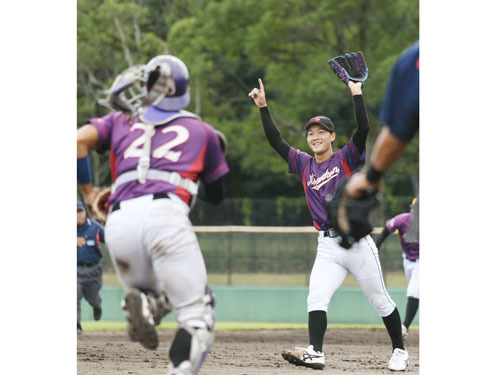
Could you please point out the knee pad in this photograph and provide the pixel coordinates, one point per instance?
(197, 336)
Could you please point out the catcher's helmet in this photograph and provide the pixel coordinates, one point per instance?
(126, 93)
(173, 77)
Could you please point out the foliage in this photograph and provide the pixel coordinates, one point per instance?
(229, 44)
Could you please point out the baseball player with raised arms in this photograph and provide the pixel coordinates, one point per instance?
(411, 255)
(319, 176)
(157, 156)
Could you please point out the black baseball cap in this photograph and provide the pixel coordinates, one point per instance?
(321, 120)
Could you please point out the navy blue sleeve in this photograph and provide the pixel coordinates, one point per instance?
(400, 110)
(101, 235)
(99, 232)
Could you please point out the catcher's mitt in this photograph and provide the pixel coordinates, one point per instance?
(350, 67)
(350, 217)
(100, 207)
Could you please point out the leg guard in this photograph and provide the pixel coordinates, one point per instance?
(193, 340)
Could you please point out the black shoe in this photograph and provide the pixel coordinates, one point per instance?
(97, 313)
(79, 329)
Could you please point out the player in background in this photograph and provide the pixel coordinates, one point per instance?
(402, 223)
(158, 155)
(320, 175)
(89, 235)
(400, 114)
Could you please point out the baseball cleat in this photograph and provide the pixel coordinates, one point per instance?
(140, 323)
(399, 360)
(404, 331)
(307, 357)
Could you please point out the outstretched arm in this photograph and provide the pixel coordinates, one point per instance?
(361, 133)
(386, 151)
(272, 132)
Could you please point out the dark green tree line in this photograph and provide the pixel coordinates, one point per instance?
(228, 44)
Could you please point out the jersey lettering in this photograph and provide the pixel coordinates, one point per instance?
(162, 151)
(316, 183)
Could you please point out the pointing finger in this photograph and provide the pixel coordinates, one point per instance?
(261, 84)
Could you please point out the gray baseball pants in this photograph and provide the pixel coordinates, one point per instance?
(89, 282)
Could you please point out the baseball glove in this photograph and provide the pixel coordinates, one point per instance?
(350, 67)
(350, 217)
(99, 206)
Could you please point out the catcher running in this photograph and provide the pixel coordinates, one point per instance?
(159, 155)
(320, 175)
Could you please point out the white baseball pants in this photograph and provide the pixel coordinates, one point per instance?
(412, 275)
(330, 269)
(154, 247)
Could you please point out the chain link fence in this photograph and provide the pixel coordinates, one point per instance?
(271, 255)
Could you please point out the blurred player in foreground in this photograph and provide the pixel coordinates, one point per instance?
(89, 235)
(159, 152)
(402, 223)
(400, 114)
(320, 175)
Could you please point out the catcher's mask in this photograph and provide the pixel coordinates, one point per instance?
(126, 93)
(168, 83)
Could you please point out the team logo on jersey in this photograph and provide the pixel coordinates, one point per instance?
(316, 183)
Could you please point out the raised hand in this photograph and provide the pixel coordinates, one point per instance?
(259, 95)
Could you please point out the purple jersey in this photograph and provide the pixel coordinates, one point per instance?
(186, 145)
(319, 179)
(402, 223)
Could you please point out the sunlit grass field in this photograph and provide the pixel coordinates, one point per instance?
(392, 279)
(91, 326)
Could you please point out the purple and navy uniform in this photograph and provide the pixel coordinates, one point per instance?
(186, 145)
(402, 223)
(319, 179)
(400, 110)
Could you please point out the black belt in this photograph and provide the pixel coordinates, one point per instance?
(412, 260)
(116, 207)
(88, 265)
(330, 232)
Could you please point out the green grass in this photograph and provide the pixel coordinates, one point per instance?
(392, 279)
(227, 326)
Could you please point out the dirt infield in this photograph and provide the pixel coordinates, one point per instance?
(348, 351)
